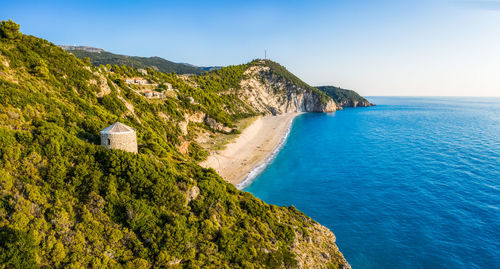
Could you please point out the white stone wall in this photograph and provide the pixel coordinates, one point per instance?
(124, 141)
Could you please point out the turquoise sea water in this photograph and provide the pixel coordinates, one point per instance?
(410, 183)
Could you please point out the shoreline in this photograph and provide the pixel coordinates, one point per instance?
(248, 155)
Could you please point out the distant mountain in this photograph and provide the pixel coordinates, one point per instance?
(99, 56)
(205, 68)
(210, 68)
(83, 48)
(345, 98)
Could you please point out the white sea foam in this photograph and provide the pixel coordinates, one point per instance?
(261, 167)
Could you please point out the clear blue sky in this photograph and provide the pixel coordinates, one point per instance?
(412, 47)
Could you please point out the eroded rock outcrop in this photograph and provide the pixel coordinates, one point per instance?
(317, 249)
(344, 97)
(268, 93)
(212, 123)
(353, 103)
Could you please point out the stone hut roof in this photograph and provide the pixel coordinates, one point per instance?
(117, 128)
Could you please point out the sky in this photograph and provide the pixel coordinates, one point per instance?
(386, 47)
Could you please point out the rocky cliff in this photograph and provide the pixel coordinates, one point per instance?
(269, 92)
(315, 249)
(354, 103)
(345, 98)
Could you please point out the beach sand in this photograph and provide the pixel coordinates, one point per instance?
(254, 145)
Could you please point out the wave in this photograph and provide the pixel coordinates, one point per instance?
(261, 167)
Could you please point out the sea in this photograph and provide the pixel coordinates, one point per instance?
(410, 183)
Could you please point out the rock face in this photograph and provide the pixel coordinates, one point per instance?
(353, 103)
(344, 97)
(196, 117)
(212, 123)
(269, 94)
(317, 249)
(192, 194)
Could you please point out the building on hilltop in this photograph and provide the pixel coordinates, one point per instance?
(119, 136)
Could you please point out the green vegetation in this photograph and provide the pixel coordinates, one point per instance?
(345, 98)
(223, 79)
(224, 107)
(65, 201)
(156, 63)
(285, 75)
(9, 29)
(220, 140)
(17, 248)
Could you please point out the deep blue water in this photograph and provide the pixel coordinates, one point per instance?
(410, 183)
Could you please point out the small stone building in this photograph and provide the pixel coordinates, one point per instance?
(119, 136)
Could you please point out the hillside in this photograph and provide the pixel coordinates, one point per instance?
(345, 98)
(101, 57)
(65, 201)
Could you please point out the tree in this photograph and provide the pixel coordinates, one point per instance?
(87, 61)
(9, 29)
(17, 248)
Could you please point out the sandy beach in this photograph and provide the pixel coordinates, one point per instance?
(255, 144)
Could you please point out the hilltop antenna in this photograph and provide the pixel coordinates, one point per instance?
(265, 54)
